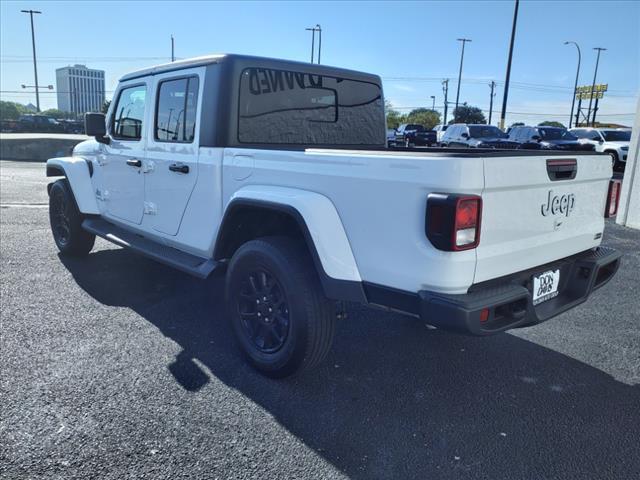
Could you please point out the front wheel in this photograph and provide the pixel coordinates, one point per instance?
(66, 221)
(615, 161)
(281, 319)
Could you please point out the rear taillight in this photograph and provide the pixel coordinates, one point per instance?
(613, 198)
(453, 221)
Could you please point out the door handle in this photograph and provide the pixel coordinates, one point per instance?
(134, 162)
(179, 168)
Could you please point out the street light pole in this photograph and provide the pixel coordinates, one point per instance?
(319, 28)
(575, 88)
(464, 41)
(173, 57)
(33, 44)
(503, 114)
(492, 85)
(313, 40)
(593, 85)
(433, 105)
(445, 90)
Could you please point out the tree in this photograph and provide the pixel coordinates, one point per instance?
(551, 123)
(105, 106)
(467, 114)
(11, 110)
(394, 117)
(424, 116)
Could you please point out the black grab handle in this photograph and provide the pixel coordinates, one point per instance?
(562, 169)
(179, 168)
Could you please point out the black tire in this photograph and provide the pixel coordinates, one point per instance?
(615, 161)
(292, 330)
(66, 221)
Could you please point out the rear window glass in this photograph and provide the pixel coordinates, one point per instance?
(287, 107)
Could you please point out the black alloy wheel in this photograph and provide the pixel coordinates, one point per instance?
(66, 221)
(263, 310)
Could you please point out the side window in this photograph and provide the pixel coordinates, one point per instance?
(578, 133)
(302, 108)
(129, 113)
(176, 110)
(514, 134)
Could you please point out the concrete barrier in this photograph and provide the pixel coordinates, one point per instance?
(37, 147)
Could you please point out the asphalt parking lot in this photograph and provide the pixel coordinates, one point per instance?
(116, 367)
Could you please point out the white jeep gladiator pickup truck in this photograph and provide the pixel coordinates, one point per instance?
(276, 174)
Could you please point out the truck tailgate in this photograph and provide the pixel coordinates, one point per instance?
(528, 219)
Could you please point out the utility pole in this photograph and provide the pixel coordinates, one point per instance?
(313, 40)
(33, 44)
(575, 87)
(577, 123)
(493, 86)
(445, 90)
(433, 105)
(595, 109)
(503, 114)
(173, 57)
(464, 41)
(319, 28)
(593, 86)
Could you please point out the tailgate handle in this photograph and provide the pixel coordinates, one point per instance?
(562, 169)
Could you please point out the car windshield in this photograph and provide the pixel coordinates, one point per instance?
(556, 134)
(486, 131)
(617, 135)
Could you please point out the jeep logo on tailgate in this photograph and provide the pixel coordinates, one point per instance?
(558, 204)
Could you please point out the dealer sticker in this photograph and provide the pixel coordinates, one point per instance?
(545, 286)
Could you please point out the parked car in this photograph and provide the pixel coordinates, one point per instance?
(72, 126)
(391, 137)
(462, 135)
(613, 141)
(412, 134)
(302, 208)
(38, 124)
(9, 126)
(547, 138)
(440, 129)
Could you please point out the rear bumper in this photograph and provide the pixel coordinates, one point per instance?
(509, 299)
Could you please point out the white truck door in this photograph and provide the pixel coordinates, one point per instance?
(122, 166)
(172, 148)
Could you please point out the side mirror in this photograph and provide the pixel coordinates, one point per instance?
(95, 126)
(465, 135)
(536, 138)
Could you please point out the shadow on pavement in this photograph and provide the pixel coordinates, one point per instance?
(394, 399)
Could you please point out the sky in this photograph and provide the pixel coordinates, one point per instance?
(411, 45)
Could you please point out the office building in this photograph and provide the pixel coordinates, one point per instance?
(80, 89)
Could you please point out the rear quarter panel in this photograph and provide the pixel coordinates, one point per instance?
(381, 202)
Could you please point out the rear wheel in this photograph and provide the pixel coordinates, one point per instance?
(66, 221)
(279, 314)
